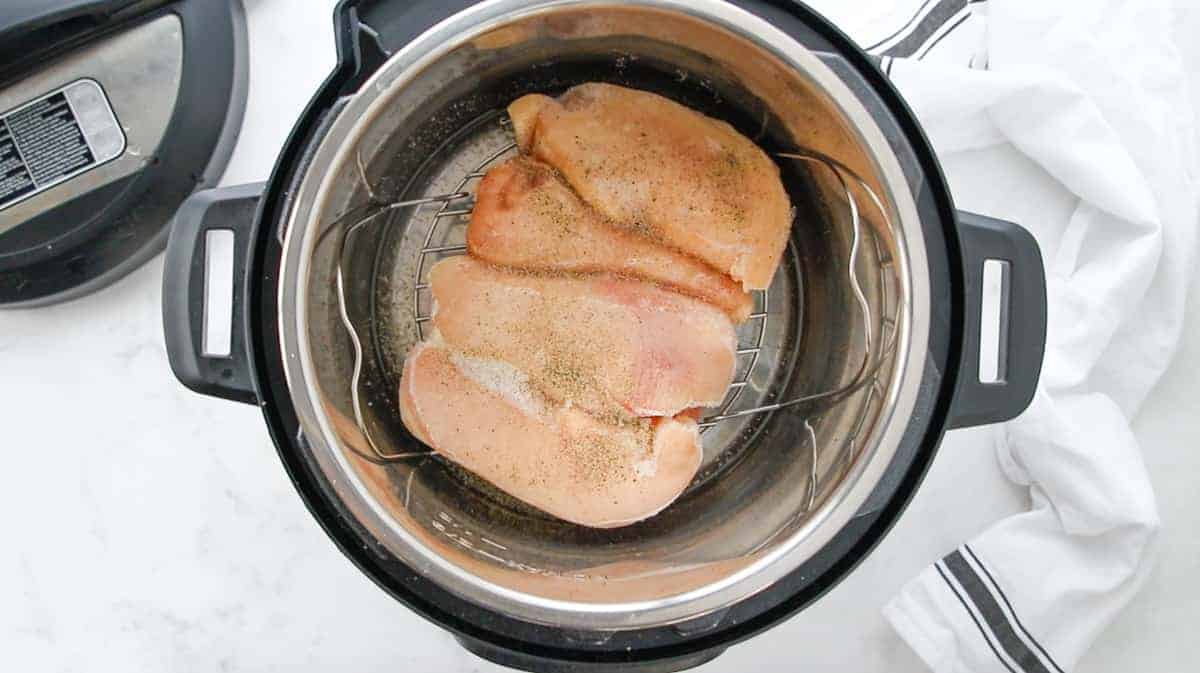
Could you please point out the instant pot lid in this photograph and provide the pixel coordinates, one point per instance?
(114, 111)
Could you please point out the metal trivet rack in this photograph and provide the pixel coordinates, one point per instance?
(459, 202)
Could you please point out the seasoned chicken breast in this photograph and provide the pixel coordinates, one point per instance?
(485, 416)
(666, 171)
(607, 344)
(526, 217)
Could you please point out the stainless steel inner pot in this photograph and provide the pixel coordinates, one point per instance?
(774, 487)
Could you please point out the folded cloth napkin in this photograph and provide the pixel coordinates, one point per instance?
(1074, 119)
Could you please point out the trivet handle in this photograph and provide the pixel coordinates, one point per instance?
(1021, 319)
(204, 277)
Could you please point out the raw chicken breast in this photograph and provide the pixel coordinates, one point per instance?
(608, 344)
(667, 171)
(484, 416)
(526, 217)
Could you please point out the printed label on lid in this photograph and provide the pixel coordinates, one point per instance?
(54, 138)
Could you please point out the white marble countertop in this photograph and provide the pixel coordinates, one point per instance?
(147, 528)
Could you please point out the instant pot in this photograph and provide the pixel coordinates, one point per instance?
(879, 297)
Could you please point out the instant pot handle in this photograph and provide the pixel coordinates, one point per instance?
(206, 260)
(1010, 383)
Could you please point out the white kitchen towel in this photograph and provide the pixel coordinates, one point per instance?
(1072, 118)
